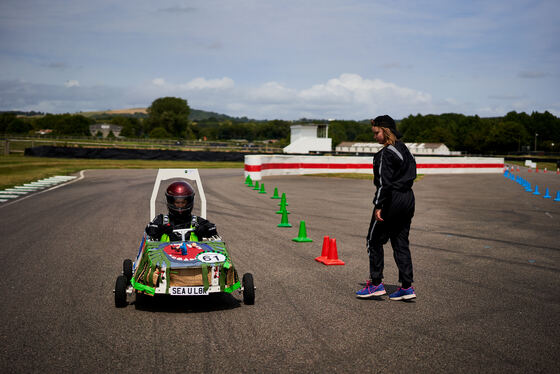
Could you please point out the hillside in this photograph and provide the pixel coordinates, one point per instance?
(195, 115)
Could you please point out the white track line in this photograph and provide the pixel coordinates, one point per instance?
(40, 192)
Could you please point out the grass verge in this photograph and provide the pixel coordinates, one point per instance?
(18, 169)
(540, 165)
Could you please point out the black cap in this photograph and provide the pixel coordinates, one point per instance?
(388, 122)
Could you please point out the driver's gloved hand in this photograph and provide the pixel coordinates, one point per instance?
(206, 230)
(167, 229)
(152, 230)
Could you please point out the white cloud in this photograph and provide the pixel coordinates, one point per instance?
(199, 83)
(160, 82)
(72, 83)
(202, 84)
(271, 93)
(348, 96)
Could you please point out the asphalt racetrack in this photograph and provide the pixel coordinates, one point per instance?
(486, 260)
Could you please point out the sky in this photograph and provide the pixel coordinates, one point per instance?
(270, 59)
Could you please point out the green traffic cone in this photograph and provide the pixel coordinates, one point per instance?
(248, 180)
(284, 222)
(283, 200)
(302, 235)
(283, 205)
(275, 196)
(250, 183)
(282, 210)
(256, 186)
(262, 190)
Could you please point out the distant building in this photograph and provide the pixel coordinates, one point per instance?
(105, 129)
(305, 138)
(424, 149)
(439, 149)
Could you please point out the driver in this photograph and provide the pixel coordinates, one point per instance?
(180, 202)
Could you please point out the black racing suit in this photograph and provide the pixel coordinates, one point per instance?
(394, 171)
(164, 224)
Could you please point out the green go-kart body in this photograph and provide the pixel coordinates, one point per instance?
(184, 268)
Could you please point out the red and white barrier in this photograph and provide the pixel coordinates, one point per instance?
(258, 166)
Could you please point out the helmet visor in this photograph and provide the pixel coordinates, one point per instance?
(180, 204)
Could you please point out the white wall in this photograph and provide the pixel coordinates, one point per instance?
(258, 166)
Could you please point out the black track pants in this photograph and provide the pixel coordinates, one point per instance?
(395, 227)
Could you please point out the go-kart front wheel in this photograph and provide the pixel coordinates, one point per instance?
(127, 270)
(120, 291)
(248, 289)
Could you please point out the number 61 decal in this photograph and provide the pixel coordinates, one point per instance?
(211, 257)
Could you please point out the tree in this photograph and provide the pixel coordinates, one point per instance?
(438, 134)
(131, 127)
(11, 124)
(170, 114)
(159, 133)
(507, 136)
(65, 124)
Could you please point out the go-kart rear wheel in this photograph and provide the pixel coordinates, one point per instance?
(127, 270)
(120, 291)
(248, 289)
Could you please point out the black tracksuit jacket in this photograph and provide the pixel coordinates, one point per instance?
(394, 171)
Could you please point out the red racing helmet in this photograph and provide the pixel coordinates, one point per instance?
(180, 198)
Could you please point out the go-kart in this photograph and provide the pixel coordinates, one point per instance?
(183, 268)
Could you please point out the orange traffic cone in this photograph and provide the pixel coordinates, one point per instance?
(324, 251)
(332, 259)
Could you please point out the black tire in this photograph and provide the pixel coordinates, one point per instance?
(127, 270)
(248, 289)
(140, 300)
(120, 292)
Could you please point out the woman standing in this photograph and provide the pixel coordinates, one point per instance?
(394, 171)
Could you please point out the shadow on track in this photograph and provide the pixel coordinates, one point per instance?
(186, 304)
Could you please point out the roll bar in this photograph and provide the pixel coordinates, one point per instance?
(166, 174)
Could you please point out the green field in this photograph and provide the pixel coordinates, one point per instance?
(18, 169)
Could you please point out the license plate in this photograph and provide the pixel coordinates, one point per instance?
(187, 291)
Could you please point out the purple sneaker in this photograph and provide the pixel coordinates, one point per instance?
(371, 290)
(403, 294)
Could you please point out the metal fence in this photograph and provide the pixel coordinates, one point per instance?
(14, 144)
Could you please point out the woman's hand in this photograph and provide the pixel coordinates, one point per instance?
(378, 215)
